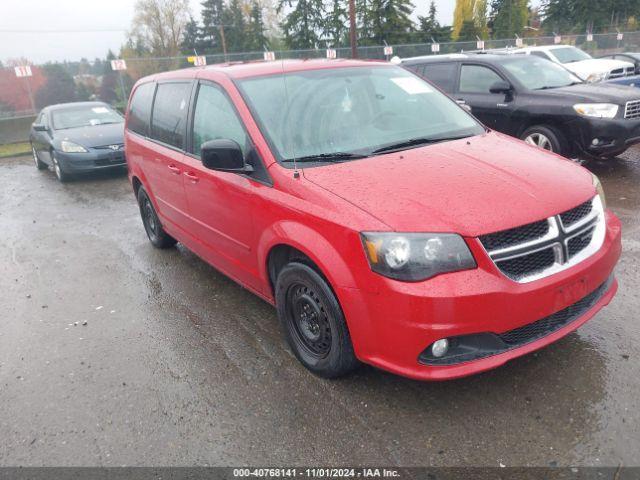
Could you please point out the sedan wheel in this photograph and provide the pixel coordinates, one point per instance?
(539, 140)
(60, 174)
(39, 165)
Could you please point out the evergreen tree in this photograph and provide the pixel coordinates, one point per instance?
(235, 27)
(304, 25)
(212, 12)
(509, 17)
(469, 31)
(430, 28)
(58, 88)
(564, 16)
(191, 39)
(391, 21)
(337, 23)
(256, 38)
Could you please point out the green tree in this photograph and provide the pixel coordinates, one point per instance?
(564, 16)
(235, 27)
(59, 87)
(509, 17)
(256, 38)
(212, 12)
(469, 31)
(191, 40)
(391, 21)
(430, 28)
(304, 24)
(338, 17)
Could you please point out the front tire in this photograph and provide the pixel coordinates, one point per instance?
(313, 322)
(546, 138)
(40, 165)
(157, 236)
(61, 175)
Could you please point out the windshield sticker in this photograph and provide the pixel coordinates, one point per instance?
(100, 110)
(412, 86)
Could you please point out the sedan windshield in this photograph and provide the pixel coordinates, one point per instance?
(74, 117)
(539, 74)
(340, 114)
(570, 54)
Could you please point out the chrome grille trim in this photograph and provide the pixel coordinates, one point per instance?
(557, 239)
(632, 109)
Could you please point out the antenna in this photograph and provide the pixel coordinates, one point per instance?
(296, 173)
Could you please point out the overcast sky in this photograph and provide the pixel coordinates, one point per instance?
(26, 26)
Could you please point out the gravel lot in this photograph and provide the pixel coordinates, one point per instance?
(177, 365)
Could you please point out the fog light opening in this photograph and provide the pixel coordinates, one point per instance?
(440, 348)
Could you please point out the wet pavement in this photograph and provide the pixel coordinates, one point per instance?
(177, 365)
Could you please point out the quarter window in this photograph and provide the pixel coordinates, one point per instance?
(215, 118)
(170, 113)
(140, 109)
(477, 79)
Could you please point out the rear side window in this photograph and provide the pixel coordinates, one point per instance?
(140, 109)
(477, 79)
(442, 74)
(169, 115)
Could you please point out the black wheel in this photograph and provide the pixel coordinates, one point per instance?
(39, 164)
(313, 322)
(58, 170)
(158, 237)
(547, 138)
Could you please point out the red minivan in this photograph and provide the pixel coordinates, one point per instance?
(383, 221)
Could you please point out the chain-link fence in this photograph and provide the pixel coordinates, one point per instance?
(62, 82)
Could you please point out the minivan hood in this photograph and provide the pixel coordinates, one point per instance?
(94, 136)
(584, 68)
(471, 187)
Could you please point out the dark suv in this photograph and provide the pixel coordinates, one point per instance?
(538, 101)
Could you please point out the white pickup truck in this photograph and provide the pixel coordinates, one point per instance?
(581, 63)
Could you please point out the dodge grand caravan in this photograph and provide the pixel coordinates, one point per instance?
(383, 221)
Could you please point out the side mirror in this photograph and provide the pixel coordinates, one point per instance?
(224, 155)
(39, 127)
(500, 87)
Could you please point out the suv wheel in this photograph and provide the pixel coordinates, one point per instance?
(157, 236)
(313, 322)
(546, 138)
(39, 164)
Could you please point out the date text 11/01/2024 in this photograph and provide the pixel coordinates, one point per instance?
(316, 472)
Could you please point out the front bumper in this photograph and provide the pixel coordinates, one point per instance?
(392, 323)
(95, 159)
(614, 135)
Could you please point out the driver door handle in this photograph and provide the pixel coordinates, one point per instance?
(192, 176)
(173, 169)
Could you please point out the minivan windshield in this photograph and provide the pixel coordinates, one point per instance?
(570, 54)
(539, 74)
(347, 113)
(85, 116)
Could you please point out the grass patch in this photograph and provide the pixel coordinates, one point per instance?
(15, 149)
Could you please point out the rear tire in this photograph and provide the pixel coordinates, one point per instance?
(546, 138)
(157, 236)
(313, 322)
(40, 165)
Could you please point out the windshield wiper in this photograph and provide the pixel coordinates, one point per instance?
(327, 157)
(414, 142)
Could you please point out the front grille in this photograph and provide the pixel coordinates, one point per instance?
(630, 71)
(617, 73)
(574, 215)
(519, 267)
(550, 324)
(632, 109)
(120, 147)
(542, 248)
(515, 236)
(579, 243)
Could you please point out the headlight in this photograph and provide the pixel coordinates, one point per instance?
(597, 110)
(413, 257)
(599, 189)
(70, 147)
(597, 77)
